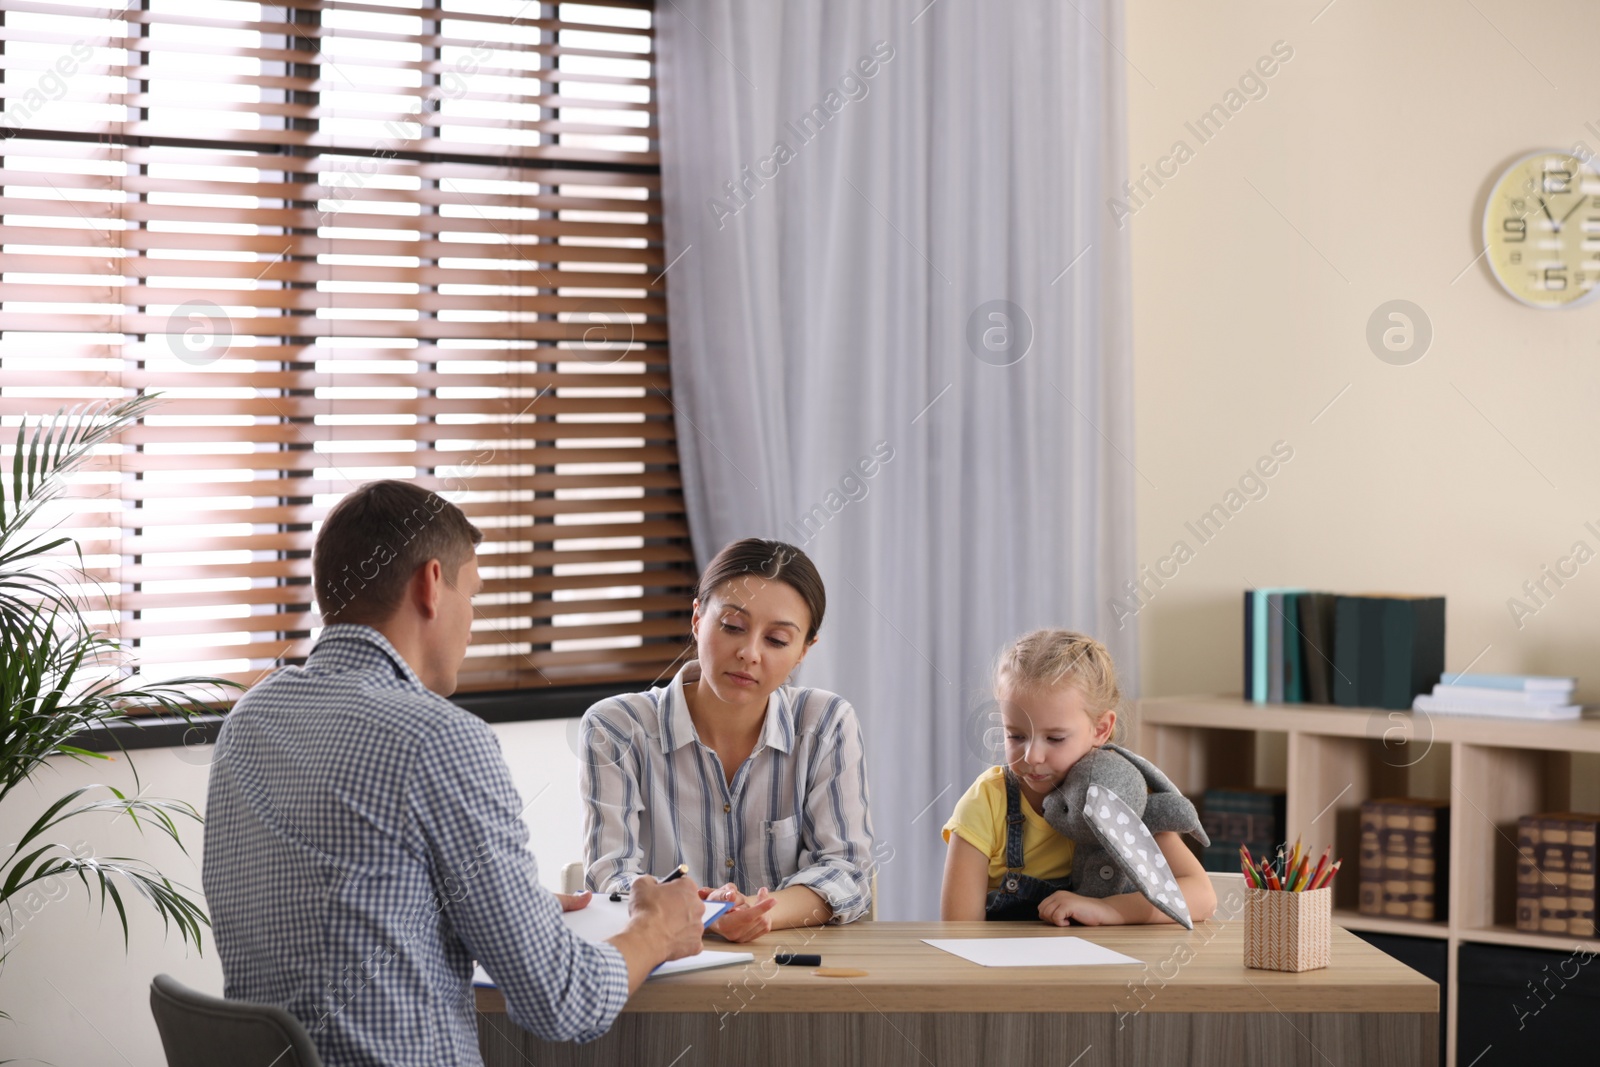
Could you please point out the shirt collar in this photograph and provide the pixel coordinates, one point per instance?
(345, 645)
(777, 729)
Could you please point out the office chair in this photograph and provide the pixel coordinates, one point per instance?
(202, 1031)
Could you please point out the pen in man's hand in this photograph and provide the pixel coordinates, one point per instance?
(682, 869)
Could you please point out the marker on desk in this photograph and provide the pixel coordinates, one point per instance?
(797, 959)
(681, 870)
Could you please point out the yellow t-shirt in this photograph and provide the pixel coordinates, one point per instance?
(980, 819)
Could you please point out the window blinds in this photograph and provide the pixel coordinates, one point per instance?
(349, 241)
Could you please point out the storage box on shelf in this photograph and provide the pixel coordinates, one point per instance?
(1491, 772)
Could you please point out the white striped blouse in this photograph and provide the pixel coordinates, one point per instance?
(655, 796)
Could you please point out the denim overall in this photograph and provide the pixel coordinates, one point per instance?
(1019, 895)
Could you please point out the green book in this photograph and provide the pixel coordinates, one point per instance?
(1411, 632)
(1347, 651)
(1294, 685)
(1316, 641)
(1370, 685)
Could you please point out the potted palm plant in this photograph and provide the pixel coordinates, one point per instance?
(60, 676)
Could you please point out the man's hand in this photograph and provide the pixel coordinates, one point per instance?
(673, 909)
(748, 919)
(1061, 908)
(575, 901)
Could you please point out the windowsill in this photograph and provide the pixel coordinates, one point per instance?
(524, 705)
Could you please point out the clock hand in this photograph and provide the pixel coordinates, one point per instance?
(1553, 223)
(1575, 207)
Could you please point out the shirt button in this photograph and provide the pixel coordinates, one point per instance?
(1107, 873)
(727, 807)
(730, 863)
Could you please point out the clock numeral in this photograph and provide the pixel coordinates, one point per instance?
(1516, 230)
(1558, 181)
(1516, 257)
(1555, 277)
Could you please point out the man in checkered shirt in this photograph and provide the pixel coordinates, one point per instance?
(363, 839)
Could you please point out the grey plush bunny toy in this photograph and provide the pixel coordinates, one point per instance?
(1111, 804)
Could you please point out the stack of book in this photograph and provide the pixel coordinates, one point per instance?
(1507, 696)
(1404, 845)
(1555, 873)
(1252, 818)
(1328, 648)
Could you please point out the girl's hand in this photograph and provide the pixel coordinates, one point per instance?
(1062, 907)
(747, 919)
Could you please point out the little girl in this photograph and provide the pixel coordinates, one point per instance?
(1058, 695)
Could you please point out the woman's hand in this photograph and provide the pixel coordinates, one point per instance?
(1061, 908)
(575, 901)
(748, 919)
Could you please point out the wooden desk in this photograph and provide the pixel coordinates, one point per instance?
(1191, 1002)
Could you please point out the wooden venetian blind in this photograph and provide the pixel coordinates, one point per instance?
(350, 241)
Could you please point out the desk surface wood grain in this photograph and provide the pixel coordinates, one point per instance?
(1181, 971)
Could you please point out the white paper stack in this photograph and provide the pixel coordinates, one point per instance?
(1502, 696)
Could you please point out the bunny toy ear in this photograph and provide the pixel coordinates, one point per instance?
(1133, 848)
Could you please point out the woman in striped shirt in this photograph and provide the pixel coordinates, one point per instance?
(759, 786)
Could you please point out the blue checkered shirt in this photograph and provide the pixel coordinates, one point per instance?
(363, 846)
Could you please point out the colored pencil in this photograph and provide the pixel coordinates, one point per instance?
(1247, 865)
(1327, 875)
(1322, 865)
(1302, 873)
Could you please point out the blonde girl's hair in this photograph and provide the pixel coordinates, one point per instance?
(1046, 659)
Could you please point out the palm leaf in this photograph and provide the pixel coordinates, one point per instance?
(60, 678)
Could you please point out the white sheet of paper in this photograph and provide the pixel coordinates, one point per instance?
(1030, 951)
(705, 959)
(605, 918)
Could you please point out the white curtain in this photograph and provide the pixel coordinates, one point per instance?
(851, 189)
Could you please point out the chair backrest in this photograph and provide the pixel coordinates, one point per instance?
(203, 1031)
(572, 878)
(1230, 891)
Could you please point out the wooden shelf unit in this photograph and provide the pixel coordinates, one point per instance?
(1492, 771)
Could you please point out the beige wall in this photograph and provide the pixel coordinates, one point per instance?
(75, 997)
(1376, 142)
(1370, 158)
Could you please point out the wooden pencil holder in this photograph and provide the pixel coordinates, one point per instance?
(1287, 931)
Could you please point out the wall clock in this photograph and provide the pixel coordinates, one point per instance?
(1541, 228)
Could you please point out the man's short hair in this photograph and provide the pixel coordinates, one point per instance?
(372, 543)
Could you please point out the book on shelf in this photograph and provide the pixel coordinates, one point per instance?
(1264, 637)
(1527, 683)
(1233, 817)
(1386, 649)
(1275, 648)
(1445, 705)
(1325, 648)
(1556, 873)
(1473, 694)
(1316, 646)
(1403, 858)
(1294, 686)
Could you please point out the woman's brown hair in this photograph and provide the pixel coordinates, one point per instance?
(776, 561)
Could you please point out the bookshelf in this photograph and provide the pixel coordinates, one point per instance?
(1329, 759)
